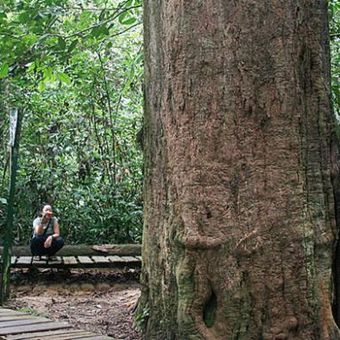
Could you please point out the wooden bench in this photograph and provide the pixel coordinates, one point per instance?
(81, 256)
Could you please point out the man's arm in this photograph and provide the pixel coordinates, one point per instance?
(56, 230)
(37, 226)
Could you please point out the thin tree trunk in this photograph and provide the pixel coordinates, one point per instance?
(239, 208)
(15, 129)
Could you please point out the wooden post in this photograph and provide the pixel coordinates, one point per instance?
(15, 127)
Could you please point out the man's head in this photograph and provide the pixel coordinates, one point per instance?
(47, 211)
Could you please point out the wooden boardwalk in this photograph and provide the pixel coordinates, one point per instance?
(81, 256)
(21, 326)
(93, 261)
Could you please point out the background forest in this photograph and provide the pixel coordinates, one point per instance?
(75, 68)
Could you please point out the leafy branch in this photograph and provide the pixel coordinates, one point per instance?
(102, 23)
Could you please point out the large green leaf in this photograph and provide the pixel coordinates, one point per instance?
(64, 78)
(4, 69)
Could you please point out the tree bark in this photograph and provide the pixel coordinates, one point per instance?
(240, 226)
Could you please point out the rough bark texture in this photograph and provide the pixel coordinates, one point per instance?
(240, 223)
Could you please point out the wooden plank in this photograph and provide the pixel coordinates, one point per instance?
(80, 261)
(84, 260)
(44, 335)
(98, 337)
(139, 258)
(85, 250)
(80, 335)
(22, 326)
(37, 261)
(58, 260)
(14, 317)
(13, 260)
(130, 259)
(124, 259)
(24, 260)
(69, 260)
(33, 328)
(21, 322)
(115, 258)
(6, 311)
(100, 259)
(62, 335)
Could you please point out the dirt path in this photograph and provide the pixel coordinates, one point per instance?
(101, 302)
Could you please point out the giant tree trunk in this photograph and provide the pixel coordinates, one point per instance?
(239, 207)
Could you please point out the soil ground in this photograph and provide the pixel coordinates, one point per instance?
(96, 300)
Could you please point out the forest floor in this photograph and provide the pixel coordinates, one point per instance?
(100, 301)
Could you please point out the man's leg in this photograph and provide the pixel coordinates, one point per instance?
(57, 244)
(37, 246)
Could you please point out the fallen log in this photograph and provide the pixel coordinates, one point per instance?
(86, 250)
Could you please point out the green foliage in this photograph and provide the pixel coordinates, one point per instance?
(75, 69)
(141, 317)
(31, 311)
(334, 15)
